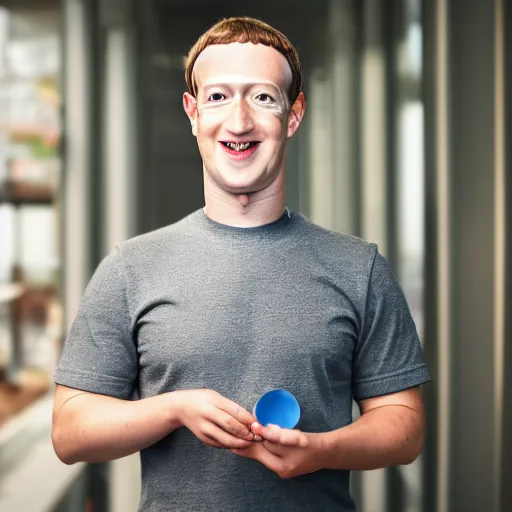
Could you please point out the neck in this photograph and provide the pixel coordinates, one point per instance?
(245, 210)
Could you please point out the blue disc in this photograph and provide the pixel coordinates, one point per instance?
(278, 407)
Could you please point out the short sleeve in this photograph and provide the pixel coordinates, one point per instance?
(388, 357)
(100, 354)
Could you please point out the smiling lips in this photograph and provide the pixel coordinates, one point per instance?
(239, 150)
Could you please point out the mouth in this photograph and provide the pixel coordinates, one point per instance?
(240, 150)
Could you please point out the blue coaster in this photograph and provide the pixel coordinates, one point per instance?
(278, 407)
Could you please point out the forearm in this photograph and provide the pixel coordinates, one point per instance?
(96, 428)
(386, 436)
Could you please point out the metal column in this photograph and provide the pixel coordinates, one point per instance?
(467, 448)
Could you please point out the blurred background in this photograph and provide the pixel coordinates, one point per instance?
(406, 142)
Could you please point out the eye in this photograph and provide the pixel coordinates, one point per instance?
(265, 98)
(216, 96)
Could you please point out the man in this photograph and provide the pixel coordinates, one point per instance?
(203, 316)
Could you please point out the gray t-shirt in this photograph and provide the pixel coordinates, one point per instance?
(199, 304)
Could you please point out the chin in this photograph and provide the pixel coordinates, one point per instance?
(242, 189)
(242, 185)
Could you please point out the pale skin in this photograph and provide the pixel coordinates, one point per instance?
(251, 192)
(235, 82)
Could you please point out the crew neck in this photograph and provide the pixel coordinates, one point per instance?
(274, 229)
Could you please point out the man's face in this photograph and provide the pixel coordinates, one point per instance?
(242, 115)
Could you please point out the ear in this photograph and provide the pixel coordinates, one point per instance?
(296, 114)
(190, 107)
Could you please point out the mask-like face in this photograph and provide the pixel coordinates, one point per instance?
(242, 115)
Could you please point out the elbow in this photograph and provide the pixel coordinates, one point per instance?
(61, 448)
(409, 457)
(413, 449)
(63, 455)
(65, 459)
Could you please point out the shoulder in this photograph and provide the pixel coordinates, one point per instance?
(339, 247)
(149, 253)
(168, 241)
(159, 237)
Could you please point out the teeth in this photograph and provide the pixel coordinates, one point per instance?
(238, 146)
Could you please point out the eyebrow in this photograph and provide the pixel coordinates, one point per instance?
(247, 85)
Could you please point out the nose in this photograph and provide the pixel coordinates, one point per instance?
(240, 120)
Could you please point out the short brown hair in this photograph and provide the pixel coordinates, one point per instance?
(245, 30)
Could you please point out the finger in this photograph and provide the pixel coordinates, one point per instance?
(209, 441)
(259, 453)
(248, 453)
(283, 436)
(230, 424)
(225, 439)
(270, 432)
(235, 410)
(277, 449)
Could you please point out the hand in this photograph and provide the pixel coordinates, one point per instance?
(288, 453)
(214, 419)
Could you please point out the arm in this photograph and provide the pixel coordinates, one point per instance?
(389, 432)
(97, 428)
